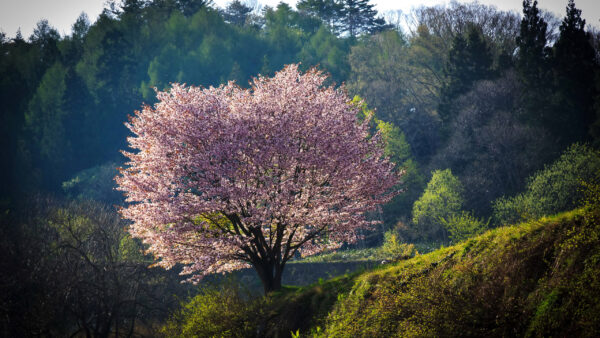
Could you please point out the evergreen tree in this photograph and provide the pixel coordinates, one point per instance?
(44, 121)
(81, 27)
(469, 59)
(358, 16)
(46, 38)
(19, 36)
(327, 10)
(574, 67)
(190, 7)
(325, 50)
(71, 47)
(133, 7)
(532, 62)
(19, 77)
(236, 13)
(283, 35)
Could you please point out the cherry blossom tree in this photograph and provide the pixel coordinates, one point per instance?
(226, 178)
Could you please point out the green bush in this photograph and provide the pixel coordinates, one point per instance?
(463, 226)
(537, 279)
(217, 311)
(96, 183)
(394, 249)
(558, 187)
(441, 199)
(399, 152)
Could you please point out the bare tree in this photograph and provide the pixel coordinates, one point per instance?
(75, 271)
(490, 148)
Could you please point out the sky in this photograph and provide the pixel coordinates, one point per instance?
(61, 14)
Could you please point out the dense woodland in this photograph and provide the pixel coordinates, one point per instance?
(494, 117)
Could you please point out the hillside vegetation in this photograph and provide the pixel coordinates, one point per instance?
(538, 278)
(491, 118)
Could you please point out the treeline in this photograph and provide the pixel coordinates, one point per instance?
(66, 98)
(480, 91)
(483, 99)
(472, 103)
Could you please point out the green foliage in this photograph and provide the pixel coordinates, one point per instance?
(326, 10)
(349, 255)
(400, 76)
(217, 311)
(226, 311)
(358, 17)
(283, 34)
(303, 309)
(392, 248)
(532, 62)
(45, 120)
(94, 184)
(567, 302)
(533, 279)
(556, 188)
(396, 147)
(441, 199)
(591, 191)
(560, 78)
(377, 62)
(236, 13)
(399, 152)
(463, 225)
(532, 53)
(66, 98)
(489, 147)
(326, 50)
(536, 279)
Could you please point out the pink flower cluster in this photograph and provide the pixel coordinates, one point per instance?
(222, 178)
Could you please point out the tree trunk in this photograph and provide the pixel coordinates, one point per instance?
(270, 275)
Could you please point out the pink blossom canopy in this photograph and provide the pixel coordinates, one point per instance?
(222, 176)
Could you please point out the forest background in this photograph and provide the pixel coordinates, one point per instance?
(481, 107)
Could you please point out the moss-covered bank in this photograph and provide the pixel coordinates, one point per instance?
(540, 278)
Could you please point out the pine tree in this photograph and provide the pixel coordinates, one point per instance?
(531, 42)
(574, 66)
(236, 13)
(358, 16)
(45, 38)
(327, 10)
(19, 35)
(469, 59)
(532, 62)
(190, 7)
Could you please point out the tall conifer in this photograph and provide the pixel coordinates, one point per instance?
(532, 63)
(469, 59)
(574, 66)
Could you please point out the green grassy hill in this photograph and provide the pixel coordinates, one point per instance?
(540, 278)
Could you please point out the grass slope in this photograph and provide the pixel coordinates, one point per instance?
(540, 278)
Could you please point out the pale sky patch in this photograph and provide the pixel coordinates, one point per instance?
(62, 13)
